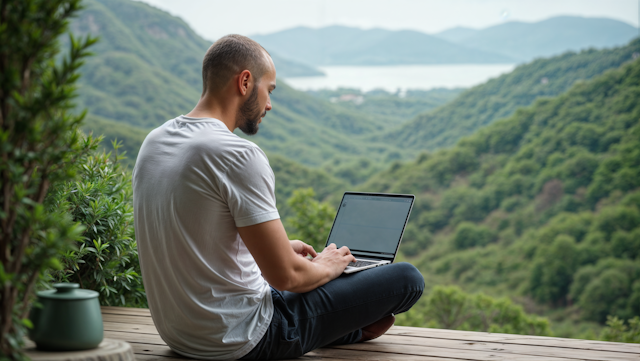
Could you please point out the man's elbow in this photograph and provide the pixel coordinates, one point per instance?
(284, 281)
(281, 285)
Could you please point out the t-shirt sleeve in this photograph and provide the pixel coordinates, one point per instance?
(250, 188)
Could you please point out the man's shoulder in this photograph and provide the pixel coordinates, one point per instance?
(225, 144)
(194, 138)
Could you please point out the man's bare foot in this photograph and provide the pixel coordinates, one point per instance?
(377, 328)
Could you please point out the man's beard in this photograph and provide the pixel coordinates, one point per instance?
(250, 114)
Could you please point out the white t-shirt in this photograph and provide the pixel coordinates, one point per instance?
(194, 182)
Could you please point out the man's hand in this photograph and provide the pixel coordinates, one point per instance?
(280, 261)
(303, 249)
(336, 259)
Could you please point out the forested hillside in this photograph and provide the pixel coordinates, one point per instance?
(500, 97)
(543, 206)
(388, 108)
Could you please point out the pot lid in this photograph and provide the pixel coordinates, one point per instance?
(68, 291)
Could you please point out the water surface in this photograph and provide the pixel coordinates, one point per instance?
(402, 77)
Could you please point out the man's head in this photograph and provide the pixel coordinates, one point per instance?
(241, 66)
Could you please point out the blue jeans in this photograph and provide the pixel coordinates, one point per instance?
(335, 313)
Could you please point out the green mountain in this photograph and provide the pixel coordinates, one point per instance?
(341, 45)
(388, 108)
(500, 97)
(554, 36)
(543, 206)
(312, 131)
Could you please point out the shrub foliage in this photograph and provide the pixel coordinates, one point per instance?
(312, 220)
(449, 307)
(106, 258)
(39, 146)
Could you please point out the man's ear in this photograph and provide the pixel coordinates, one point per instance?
(244, 80)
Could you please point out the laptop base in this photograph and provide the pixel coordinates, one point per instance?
(350, 269)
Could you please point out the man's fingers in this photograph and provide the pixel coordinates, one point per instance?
(311, 251)
(345, 250)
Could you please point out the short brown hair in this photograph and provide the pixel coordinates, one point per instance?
(227, 57)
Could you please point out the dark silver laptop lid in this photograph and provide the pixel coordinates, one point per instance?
(371, 224)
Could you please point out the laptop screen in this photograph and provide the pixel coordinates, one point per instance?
(371, 224)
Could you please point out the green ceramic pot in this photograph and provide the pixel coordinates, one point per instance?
(69, 319)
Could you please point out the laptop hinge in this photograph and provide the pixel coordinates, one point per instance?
(371, 257)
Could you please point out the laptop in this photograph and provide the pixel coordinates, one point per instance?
(371, 226)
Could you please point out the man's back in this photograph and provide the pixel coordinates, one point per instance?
(194, 183)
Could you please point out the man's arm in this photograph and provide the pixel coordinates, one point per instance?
(282, 267)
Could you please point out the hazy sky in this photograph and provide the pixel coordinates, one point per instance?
(214, 18)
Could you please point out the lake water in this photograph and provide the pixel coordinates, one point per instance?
(403, 77)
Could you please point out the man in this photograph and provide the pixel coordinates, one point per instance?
(222, 279)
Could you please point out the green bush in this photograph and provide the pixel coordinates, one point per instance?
(415, 240)
(617, 331)
(471, 235)
(106, 258)
(626, 244)
(553, 270)
(608, 293)
(40, 143)
(449, 307)
(312, 220)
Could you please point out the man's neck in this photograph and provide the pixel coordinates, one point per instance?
(209, 107)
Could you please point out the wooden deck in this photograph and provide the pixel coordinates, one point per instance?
(400, 343)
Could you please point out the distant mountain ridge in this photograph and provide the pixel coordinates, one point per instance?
(526, 41)
(509, 42)
(341, 45)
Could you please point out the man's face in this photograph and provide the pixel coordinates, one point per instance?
(258, 102)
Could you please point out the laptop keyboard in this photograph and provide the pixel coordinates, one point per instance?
(360, 263)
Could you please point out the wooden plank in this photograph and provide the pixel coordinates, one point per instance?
(342, 354)
(135, 337)
(514, 339)
(323, 354)
(126, 311)
(165, 351)
(125, 327)
(157, 358)
(540, 351)
(163, 358)
(156, 350)
(443, 352)
(156, 347)
(133, 320)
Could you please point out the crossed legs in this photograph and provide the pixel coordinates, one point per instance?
(349, 309)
